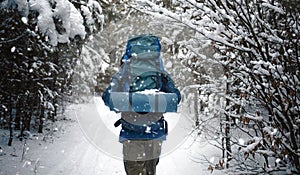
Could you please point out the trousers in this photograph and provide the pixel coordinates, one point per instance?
(141, 156)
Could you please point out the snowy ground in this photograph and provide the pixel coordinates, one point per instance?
(74, 148)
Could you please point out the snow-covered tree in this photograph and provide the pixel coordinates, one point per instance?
(40, 43)
(257, 44)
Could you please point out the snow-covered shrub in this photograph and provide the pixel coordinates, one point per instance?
(257, 44)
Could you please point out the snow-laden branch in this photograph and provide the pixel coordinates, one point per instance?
(102, 57)
(12, 39)
(200, 27)
(59, 21)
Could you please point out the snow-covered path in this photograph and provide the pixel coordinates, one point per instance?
(75, 155)
(90, 146)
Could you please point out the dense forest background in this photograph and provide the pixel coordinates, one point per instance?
(236, 63)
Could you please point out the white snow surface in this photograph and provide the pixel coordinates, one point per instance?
(70, 152)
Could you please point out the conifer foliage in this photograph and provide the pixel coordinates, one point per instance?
(40, 43)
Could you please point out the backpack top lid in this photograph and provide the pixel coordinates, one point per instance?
(142, 57)
(144, 46)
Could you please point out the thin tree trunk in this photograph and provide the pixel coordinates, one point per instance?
(10, 124)
(227, 140)
(17, 119)
(223, 138)
(227, 128)
(41, 118)
(196, 108)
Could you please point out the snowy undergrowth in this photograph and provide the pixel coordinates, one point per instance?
(27, 156)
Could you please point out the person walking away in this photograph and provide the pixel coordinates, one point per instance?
(143, 126)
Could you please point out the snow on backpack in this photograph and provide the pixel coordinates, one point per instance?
(141, 78)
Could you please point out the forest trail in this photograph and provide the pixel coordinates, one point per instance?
(75, 155)
(87, 147)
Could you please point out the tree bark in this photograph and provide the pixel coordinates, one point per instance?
(196, 108)
(41, 118)
(10, 125)
(227, 128)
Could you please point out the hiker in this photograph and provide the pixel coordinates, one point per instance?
(143, 128)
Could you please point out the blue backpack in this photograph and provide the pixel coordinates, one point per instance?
(142, 69)
(142, 66)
